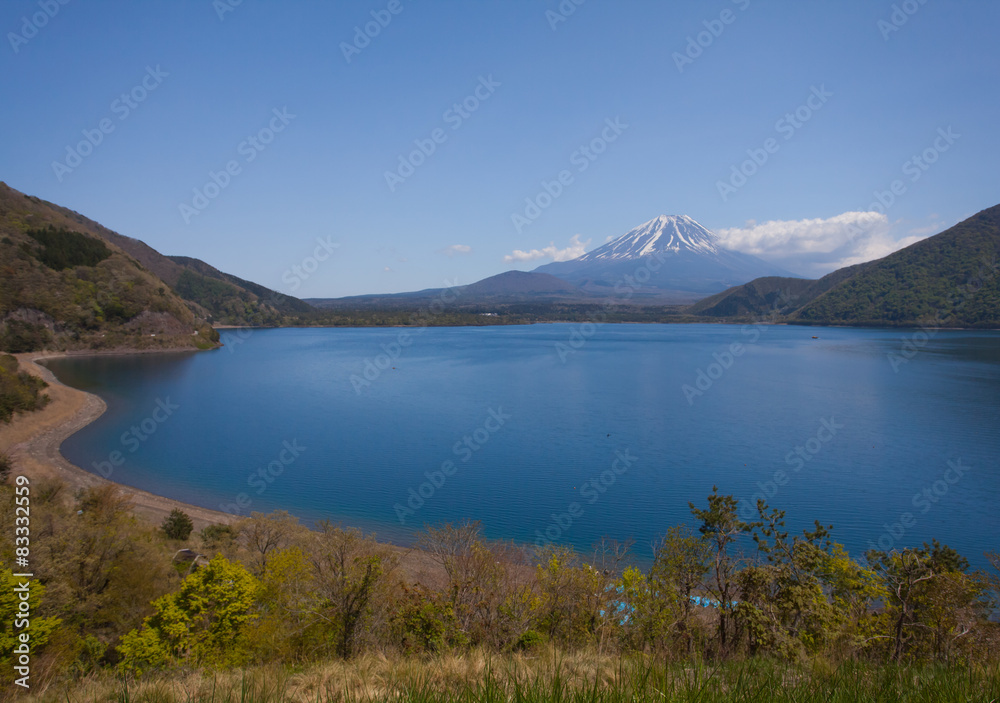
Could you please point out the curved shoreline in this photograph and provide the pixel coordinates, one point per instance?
(33, 441)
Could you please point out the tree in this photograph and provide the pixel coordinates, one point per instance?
(349, 570)
(41, 629)
(101, 568)
(490, 595)
(217, 537)
(205, 620)
(681, 561)
(259, 535)
(177, 525)
(721, 525)
(287, 626)
(901, 574)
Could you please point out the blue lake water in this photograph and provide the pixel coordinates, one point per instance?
(514, 425)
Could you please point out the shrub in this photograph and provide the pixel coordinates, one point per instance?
(217, 536)
(177, 525)
(204, 621)
(19, 390)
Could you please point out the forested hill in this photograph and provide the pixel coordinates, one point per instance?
(949, 280)
(67, 282)
(63, 286)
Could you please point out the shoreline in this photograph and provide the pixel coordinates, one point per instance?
(33, 441)
(888, 328)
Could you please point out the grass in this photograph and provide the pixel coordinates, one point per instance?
(549, 677)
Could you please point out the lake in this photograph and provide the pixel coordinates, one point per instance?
(566, 432)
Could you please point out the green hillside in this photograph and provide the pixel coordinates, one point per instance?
(218, 297)
(951, 280)
(63, 286)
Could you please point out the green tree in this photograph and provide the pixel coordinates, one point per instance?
(722, 526)
(177, 525)
(40, 630)
(259, 535)
(205, 621)
(681, 562)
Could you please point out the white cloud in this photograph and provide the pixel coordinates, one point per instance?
(576, 248)
(818, 246)
(456, 249)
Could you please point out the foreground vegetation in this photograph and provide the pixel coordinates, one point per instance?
(268, 610)
(19, 390)
(547, 675)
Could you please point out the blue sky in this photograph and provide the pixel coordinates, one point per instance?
(874, 90)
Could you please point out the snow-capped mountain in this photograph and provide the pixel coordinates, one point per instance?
(673, 258)
(664, 233)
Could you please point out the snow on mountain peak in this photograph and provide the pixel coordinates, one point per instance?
(664, 233)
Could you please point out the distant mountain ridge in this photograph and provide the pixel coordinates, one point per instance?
(684, 260)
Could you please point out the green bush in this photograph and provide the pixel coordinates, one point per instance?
(24, 337)
(530, 640)
(19, 390)
(177, 525)
(217, 536)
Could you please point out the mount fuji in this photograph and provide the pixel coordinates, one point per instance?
(684, 260)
